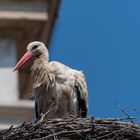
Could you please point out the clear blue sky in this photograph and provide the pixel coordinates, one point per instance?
(102, 38)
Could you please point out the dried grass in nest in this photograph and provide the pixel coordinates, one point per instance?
(74, 128)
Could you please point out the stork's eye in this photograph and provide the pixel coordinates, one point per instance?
(34, 47)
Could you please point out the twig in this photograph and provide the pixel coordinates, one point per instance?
(123, 111)
(74, 129)
(8, 130)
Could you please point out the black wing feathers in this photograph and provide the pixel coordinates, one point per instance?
(81, 103)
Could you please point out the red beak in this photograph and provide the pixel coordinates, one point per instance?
(27, 56)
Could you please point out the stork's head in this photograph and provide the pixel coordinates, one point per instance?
(35, 50)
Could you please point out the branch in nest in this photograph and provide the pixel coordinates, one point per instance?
(74, 128)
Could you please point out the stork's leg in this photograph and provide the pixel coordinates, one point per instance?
(36, 111)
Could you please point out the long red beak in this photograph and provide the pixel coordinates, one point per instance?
(27, 56)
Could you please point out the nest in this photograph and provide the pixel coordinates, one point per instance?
(73, 128)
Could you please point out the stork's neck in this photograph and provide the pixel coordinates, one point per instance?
(40, 63)
(39, 72)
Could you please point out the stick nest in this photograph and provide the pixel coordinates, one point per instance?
(73, 128)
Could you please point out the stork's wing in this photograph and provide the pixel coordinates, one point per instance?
(76, 79)
(82, 95)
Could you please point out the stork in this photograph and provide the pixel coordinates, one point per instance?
(58, 89)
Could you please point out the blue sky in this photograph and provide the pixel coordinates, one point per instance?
(102, 38)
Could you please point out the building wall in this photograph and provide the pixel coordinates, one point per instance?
(8, 79)
(20, 23)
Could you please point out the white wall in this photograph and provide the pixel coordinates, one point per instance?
(8, 79)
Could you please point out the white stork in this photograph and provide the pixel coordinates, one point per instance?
(58, 89)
